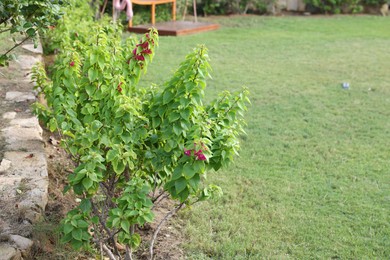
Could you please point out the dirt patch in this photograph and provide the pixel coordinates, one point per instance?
(46, 235)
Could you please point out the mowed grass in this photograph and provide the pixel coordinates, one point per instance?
(313, 177)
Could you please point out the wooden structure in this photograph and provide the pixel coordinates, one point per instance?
(153, 4)
(175, 28)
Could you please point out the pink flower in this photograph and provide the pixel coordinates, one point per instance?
(139, 57)
(135, 51)
(146, 51)
(71, 63)
(198, 152)
(187, 152)
(201, 157)
(144, 45)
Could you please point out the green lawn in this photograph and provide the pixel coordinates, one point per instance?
(313, 178)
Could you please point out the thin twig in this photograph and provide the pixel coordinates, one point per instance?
(6, 30)
(185, 10)
(231, 107)
(128, 255)
(156, 202)
(111, 236)
(168, 216)
(154, 199)
(109, 253)
(3, 20)
(104, 8)
(17, 45)
(155, 183)
(101, 250)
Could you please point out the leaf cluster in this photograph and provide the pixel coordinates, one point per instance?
(28, 18)
(131, 145)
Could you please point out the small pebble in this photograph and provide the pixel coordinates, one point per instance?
(345, 85)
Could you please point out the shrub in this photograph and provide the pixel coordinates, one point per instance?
(210, 7)
(75, 24)
(334, 6)
(132, 146)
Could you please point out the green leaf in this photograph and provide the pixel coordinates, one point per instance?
(118, 166)
(82, 224)
(177, 129)
(149, 155)
(185, 114)
(90, 90)
(67, 228)
(92, 74)
(177, 173)
(180, 185)
(135, 240)
(184, 195)
(77, 234)
(66, 238)
(85, 205)
(188, 171)
(52, 125)
(199, 166)
(161, 111)
(194, 181)
(132, 213)
(76, 244)
(115, 222)
(149, 217)
(96, 125)
(156, 121)
(125, 225)
(92, 58)
(173, 117)
(116, 212)
(101, 62)
(31, 32)
(111, 155)
(167, 97)
(87, 183)
(95, 219)
(79, 176)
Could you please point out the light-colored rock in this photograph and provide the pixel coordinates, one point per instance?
(9, 115)
(38, 196)
(26, 62)
(23, 170)
(27, 165)
(31, 146)
(33, 216)
(16, 134)
(30, 47)
(4, 165)
(9, 182)
(21, 243)
(7, 252)
(31, 122)
(17, 96)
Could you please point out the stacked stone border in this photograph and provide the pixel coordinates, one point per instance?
(23, 165)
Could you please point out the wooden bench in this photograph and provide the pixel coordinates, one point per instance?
(153, 4)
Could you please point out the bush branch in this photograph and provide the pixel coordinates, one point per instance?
(168, 216)
(17, 45)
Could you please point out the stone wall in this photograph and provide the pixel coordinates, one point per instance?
(23, 166)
